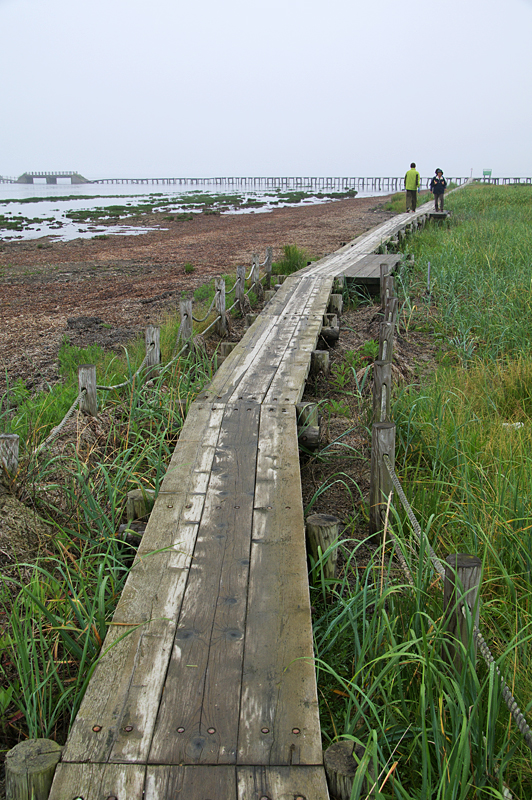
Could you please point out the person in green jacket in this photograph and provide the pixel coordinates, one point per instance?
(412, 183)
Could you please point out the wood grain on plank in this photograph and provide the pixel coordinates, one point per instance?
(126, 686)
(199, 712)
(282, 783)
(279, 722)
(98, 781)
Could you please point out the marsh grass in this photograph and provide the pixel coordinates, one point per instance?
(56, 621)
(467, 471)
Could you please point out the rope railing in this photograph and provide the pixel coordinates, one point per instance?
(54, 433)
(129, 380)
(510, 700)
(202, 319)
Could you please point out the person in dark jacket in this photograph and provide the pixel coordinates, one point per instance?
(437, 187)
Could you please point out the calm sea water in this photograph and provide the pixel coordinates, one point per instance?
(47, 215)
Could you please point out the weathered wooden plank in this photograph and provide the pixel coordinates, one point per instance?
(288, 383)
(122, 699)
(282, 783)
(98, 781)
(191, 783)
(199, 712)
(279, 721)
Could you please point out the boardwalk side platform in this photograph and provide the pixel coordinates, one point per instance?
(206, 687)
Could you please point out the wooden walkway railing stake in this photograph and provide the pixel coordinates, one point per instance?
(153, 351)
(382, 443)
(87, 380)
(382, 385)
(461, 587)
(386, 333)
(185, 310)
(221, 322)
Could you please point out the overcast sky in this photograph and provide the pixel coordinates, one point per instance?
(129, 88)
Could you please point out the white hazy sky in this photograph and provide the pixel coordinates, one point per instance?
(265, 87)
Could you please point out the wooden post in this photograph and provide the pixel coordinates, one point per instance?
(390, 310)
(250, 319)
(139, 503)
(388, 290)
(9, 448)
(338, 284)
(30, 768)
(384, 271)
(240, 288)
(382, 443)
(319, 362)
(322, 532)
(153, 350)
(87, 380)
(221, 323)
(330, 336)
(460, 587)
(386, 331)
(269, 294)
(268, 267)
(185, 310)
(382, 386)
(308, 425)
(335, 304)
(255, 276)
(330, 320)
(341, 761)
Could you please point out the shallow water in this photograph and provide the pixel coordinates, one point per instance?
(47, 216)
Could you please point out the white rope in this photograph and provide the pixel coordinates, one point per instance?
(126, 383)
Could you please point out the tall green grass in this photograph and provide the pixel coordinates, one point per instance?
(467, 471)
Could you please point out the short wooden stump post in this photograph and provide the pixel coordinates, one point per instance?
(460, 587)
(308, 425)
(322, 532)
(319, 362)
(341, 761)
(9, 446)
(335, 304)
(87, 381)
(30, 768)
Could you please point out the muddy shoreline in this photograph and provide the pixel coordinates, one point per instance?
(128, 282)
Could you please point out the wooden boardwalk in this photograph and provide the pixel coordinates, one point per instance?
(206, 687)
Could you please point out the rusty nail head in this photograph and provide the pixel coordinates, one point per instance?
(97, 728)
(211, 730)
(112, 797)
(188, 505)
(296, 730)
(237, 506)
(170, 505)
(180, 730)
(265, 730)
(128, 728)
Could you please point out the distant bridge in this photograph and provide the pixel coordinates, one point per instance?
(371, 184)
(51, 177)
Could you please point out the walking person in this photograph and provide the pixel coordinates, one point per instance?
(412, 184)
(437, 186)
